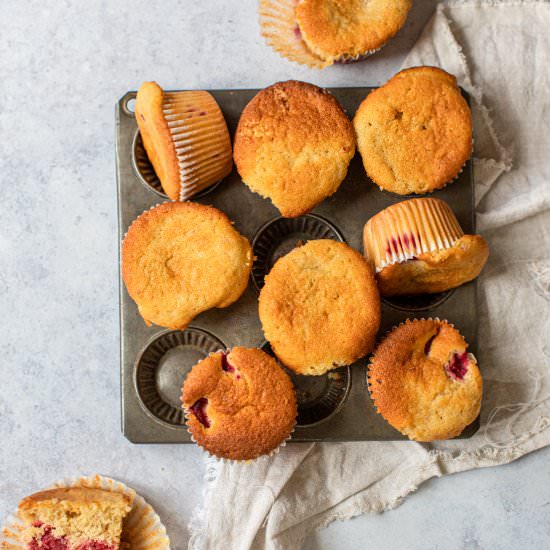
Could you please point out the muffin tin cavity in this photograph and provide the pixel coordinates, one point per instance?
(319, 397)
(281, 235)
(422, 302)
(162, 366)
(146, 173)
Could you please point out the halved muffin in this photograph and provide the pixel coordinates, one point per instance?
(76, 518)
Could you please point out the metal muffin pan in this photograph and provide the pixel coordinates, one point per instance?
(154, 361)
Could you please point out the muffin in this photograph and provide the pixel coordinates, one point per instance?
(182, 258)
(76, 518)
(320, 308)
(319, 33)
(185, 137)
(414, 133)
(424, 382)
(239, 404)
(343, 30)
(418, 247)
(293, 145)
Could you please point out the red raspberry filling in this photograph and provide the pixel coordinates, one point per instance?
(47, 540)
(457, 367)
(228, 367)
(199, 410)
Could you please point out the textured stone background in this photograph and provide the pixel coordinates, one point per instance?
(63, 65)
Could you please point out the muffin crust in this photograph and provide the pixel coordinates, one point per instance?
(293, 145)
(340, 29)
(320, 308)
(414, 133)
(423, 382)
(239, 404)
(182, 258)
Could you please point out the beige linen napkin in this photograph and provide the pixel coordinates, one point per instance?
(500, 52)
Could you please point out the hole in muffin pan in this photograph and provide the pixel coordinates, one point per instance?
(279, 236)
(162, 366)
(319, 397)
(130, 105)
(146, 173)
(422, 302)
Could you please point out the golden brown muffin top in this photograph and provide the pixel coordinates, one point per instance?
(239, 404)
(319, 307)
(334, 29)
(423, 382)
(414, 133)
(180, 259)
(293, 145)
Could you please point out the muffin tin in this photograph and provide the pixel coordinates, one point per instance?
(154, 361)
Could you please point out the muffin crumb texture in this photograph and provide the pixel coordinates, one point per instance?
(74, 519)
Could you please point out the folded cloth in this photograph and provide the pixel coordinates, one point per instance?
(500, 52)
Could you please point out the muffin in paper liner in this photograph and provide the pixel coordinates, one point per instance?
(186, 139)
(453, 413)
(407, 229)
(281, 31)
(418, 247)
(142, 528)
(281, 28)
(230, 398)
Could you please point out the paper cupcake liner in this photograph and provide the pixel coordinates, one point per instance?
(224, 460)
(280, 29)
(200, 137)
(407, 229)
(142, 528)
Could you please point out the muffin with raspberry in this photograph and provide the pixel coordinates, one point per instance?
(424, 382)
(239, 404)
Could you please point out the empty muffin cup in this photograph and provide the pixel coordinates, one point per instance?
(162, 366)
(319, 398)
(281, 235)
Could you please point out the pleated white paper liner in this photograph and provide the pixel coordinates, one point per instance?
(223, 460)
(142, 528)
(380, 340)
(200, 137)
(408, 229)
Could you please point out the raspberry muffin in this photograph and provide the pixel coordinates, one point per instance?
(186, 139)
(239, 404)
(182, 258)
(320, 308)
(319, 33)
(417, 247)
(424, 382)
(293, 145)
(76, 518)
(414, 133)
